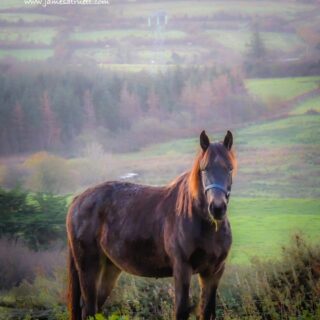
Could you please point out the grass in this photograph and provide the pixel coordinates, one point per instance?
(239, 40)
(36, 35)
(293, 130)
(104, 35)
(99, 55)
(27, 54)
(262, 226)
(9, 4)
(310, 104)
(27, 17)
(205, 8)
(281, 89)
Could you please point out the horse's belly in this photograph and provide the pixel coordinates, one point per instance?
(141, 257)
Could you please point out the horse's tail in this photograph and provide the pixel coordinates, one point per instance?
(74, 293)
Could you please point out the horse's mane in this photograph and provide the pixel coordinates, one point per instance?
(188, 184)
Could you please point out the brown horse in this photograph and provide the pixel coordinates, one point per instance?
(177, 230)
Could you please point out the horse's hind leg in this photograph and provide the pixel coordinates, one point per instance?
(88, 263)
(108, 276)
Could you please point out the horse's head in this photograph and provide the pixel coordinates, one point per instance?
(216, 169)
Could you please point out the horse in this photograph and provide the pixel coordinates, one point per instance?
(175, 231)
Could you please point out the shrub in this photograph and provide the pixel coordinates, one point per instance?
(19, 264)
(285, 289)
(36, 219)
(48, 173)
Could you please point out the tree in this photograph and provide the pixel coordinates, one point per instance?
(18, 128)
(154, 104)
(255, 60)
(51, 130)
(130, 105)
(90, 121)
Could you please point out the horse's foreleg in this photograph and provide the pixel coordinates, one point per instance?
(209, 281)
(108, 276)
(182, 275)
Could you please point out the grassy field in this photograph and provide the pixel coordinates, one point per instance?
(8, 4)
(103, 35)
(205, 8)
(35, 35)
(239, 40)
(261, 226)
(27, 54)
(310, 104)
(27, 17)
(281, 89)
(291, 131)
(195, 41)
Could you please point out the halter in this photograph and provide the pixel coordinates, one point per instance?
(219, 187)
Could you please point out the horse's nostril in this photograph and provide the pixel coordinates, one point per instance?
(218, 211)
(211, 208)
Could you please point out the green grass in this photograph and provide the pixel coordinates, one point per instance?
(293, 130)
(27, 54)
(281, 89)
(310, 104)
(205, 8)
(28, 17)
(261, 226)
(104, 35)
(99, 55)
(239, 40)
(36, 35)
(9, 4)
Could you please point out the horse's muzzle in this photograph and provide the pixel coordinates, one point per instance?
(218, 211)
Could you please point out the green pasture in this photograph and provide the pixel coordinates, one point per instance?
(104, 35)
(281, 89)
(290, 131)
(8, 4)
(136, 67)
(100, 55)
(310, 104)
(207, 8)
(261, 226)
(240, 39)
(27, 54)
(28, 17)
(25, 34)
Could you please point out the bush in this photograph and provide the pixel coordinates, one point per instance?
(19, 264)
(48, 173)
(286, 289)
(38, 219)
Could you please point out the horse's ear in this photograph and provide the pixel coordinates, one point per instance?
(228, 140)
(204, 141)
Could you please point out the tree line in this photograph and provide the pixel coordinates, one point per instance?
(48, 109)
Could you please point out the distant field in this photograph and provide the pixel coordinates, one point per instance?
(27, 54)
(102, 35)
(99, 55)
(239, 40)
(27, 17)
(193, 8)
(310, 104)
(4, 4)
(36, 35)
(261, 227)
(281, 89)
(294, 130)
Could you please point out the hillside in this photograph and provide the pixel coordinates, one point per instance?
(144, 34)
